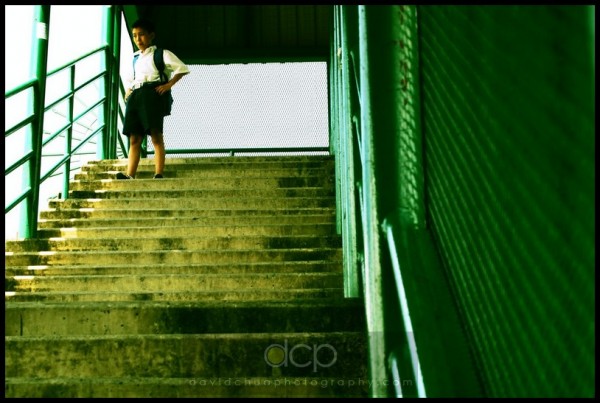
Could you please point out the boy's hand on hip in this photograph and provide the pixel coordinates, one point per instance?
(161, 89)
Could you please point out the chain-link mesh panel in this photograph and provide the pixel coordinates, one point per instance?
(258, 105)
(509, 143)
(410, 143)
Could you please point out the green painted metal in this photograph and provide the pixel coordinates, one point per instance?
(509, 135)
(103, 149)
(112, 36)
(352, 265)
(382, 204)
(115, 47)
(42, 29)
(334, 99)
(373, 280)
(240, 150)
(31, 161)
(69, 134)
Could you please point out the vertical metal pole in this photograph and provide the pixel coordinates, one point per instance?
(112, 36)
(39, 68)
(351, 262)
(67, 174)
(116, 78)
(334, 108)
(107, 26)
(373, 271)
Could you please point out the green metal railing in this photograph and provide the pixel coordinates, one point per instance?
(381, 206)
(33, 123)
(467, 200)
(35, 156)
(110, 144)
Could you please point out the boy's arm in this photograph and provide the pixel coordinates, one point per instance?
(161, 89)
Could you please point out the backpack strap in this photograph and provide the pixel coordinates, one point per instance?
(135, 57)
(159, 62)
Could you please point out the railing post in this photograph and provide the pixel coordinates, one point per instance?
(349, 212)
(116, 81)
(107, 24)
(39, 68)
(113, 39)
(69, 137)
(374, 298)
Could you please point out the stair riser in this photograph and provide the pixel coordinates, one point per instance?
(199, 213)
(172, 243)
(189, 231)
(245, 387)
(170, 205)
(218, 218)
(238, 295)
(99, 269)
(218, 163)
(247, 171)
(168, 257)
(149, 193)
(256, 184)
(213, 355)
(170, 283)
(144, 318)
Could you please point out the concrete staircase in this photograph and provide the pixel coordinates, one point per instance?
(222, 280)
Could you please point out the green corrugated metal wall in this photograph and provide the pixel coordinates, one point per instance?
(217, 33)
(508, 127)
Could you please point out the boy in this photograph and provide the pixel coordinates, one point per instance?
(145, 102)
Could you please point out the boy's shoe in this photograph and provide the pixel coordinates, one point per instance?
(158, 176)
(121, 175)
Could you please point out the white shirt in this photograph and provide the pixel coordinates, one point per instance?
(145, 70)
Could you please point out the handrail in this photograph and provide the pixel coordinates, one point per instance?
(70, 124)
(388, 229)
(21, 87)
(19, 199)
(80, 58)
(29, 119)
(74, 90)
(67, 157)
(19, 162)
(233, 150)
(31, 156)
(356, 82)
(358, 139)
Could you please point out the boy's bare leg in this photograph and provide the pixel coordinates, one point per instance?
(135, 147)
(159, 151)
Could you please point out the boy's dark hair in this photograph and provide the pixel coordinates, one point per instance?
(145, 24)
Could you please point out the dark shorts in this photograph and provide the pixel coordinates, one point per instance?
(144, 110)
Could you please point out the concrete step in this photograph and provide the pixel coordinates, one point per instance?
(166, 317)
(215, 217)
(197, 387)
(172, 282)
(199, 269)
(277, 229)
(323, 354)
(204, 183)
(166, 203)
(153, 191)
(245, 170)
(237, 295)
(171, 242)
(213, 256)
(250, 162)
